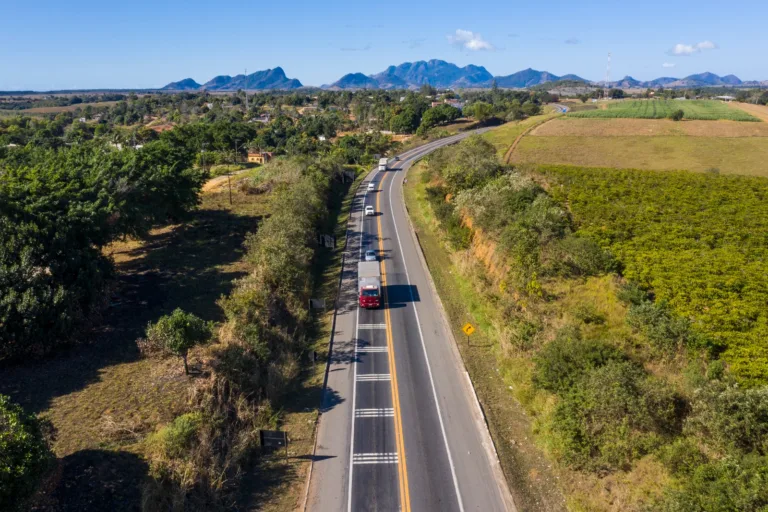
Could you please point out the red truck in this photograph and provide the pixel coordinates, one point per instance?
(369, 284)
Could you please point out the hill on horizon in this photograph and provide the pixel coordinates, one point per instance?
(260, 80)
(445, 75)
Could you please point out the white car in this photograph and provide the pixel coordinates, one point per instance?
(371, 187)
(370, 255)
(369, 210)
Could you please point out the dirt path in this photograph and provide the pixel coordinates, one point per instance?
(219, 181)
(508, 154)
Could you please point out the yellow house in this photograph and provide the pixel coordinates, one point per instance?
(259, 157)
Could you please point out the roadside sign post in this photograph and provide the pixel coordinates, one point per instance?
(274, 439)
(468, 330)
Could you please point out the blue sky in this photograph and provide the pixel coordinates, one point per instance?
(87, 44)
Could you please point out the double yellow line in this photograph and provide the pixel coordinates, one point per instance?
(402, 468)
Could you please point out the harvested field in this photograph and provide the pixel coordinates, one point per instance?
(730, 155)
(56, 110)
(760, 111)
(649, 127)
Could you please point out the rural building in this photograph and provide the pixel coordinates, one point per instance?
(259, 157)
(725, 98)
(263, 118)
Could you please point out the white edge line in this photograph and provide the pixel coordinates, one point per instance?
(426, 357)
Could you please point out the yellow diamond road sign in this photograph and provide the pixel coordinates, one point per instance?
(468, 329)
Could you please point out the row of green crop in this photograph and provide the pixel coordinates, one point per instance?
(699, 242)
(705, 110)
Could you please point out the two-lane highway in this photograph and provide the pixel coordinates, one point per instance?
(400, 428)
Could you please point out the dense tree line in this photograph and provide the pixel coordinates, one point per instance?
(58, 209)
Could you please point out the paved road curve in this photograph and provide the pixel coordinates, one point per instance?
(400, 428)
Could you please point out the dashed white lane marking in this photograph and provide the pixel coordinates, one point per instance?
(375, 458)
(368, 377)
(362, 348)
(375, 413)
(372, 326)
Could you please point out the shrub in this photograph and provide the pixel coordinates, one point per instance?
(563, 362)
(615, 415)
(676, 115)
(630, 293)
(729, 418)
(731, 484)
(666, 331)
(578, 256)
(24, 455)
(588, 314)
(468, 165)
(178, 332)
(176, 438)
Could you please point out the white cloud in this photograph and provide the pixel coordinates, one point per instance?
(469, 40)
(681, 49)
(668, 65)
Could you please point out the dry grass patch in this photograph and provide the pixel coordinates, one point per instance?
(56, 110)
(505, 135)
(734, 155)
(759, 111)
(571, 127)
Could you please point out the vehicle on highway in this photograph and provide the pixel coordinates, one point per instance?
(370, 255)
(382, 164)
(369, 210)
(371, 187)
(396, 158)
(369, 284)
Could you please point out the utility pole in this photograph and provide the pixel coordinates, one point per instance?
(229, 173)
(246, 93)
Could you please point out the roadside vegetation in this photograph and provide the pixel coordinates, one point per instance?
(661, 109)
(624, 317)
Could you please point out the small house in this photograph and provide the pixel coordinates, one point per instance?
(259, 157)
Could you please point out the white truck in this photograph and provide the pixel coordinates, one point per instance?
(369, 284)
(382, 164)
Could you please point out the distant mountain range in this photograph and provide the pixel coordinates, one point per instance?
(439, 73)
(700, 80)
(442, 74)
(260, 80)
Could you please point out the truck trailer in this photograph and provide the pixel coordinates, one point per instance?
(369, 284)
(382, 164)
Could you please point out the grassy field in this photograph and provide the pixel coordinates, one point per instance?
(578, 127)
(743, 155)
(505, 135)
(54, 110)
(659, 109)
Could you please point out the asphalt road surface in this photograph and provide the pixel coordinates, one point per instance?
(400, 427)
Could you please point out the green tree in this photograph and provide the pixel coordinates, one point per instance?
(481, 111)
(24, 455)
(178, 333)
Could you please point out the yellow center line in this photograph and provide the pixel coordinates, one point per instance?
(405, 496)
